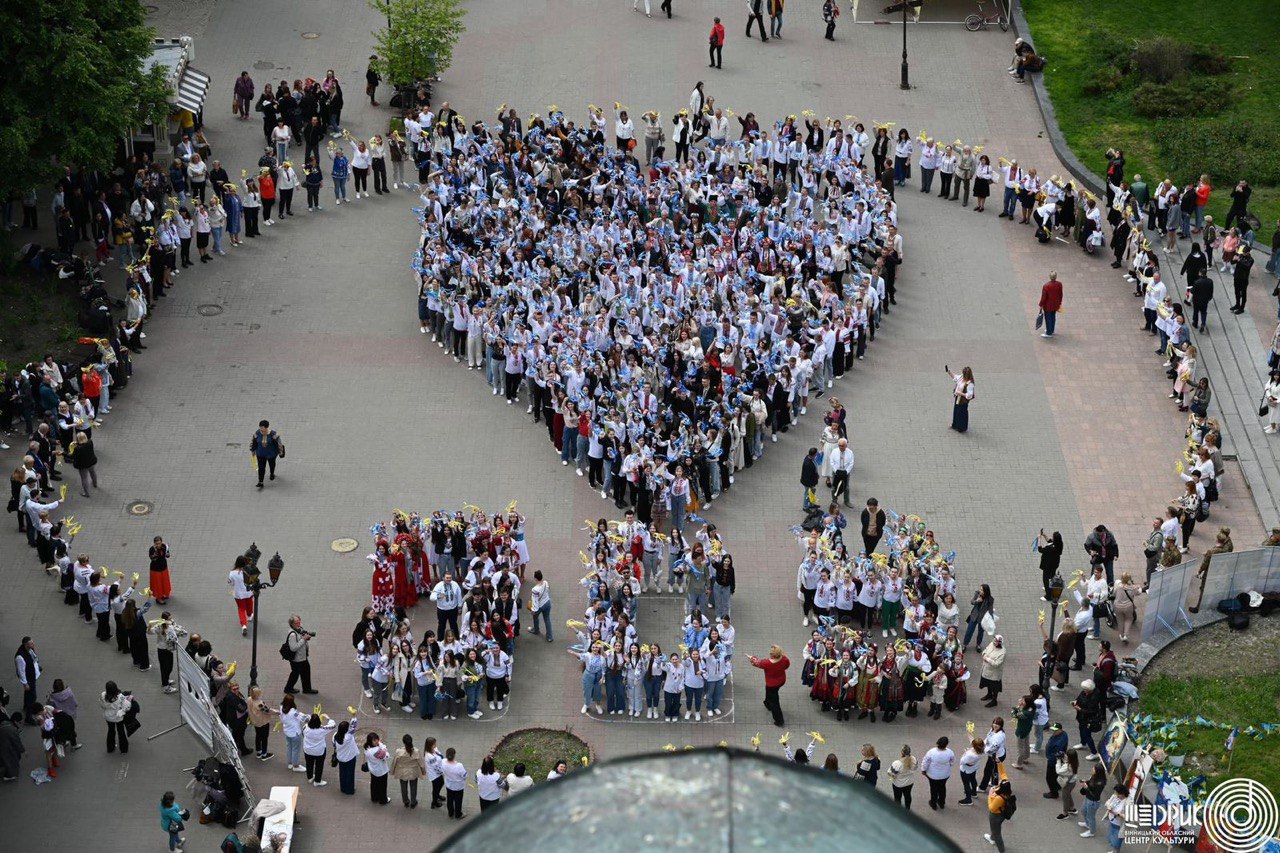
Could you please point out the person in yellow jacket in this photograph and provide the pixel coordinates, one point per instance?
(1001, 804)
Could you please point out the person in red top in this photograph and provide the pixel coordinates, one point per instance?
(1202, 200)
(267, 191)
(1050, 303)
(775, 675)
(717, 43)
(91, 384)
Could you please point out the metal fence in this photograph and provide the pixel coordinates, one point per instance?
(1174, 591)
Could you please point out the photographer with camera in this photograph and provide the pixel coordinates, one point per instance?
(298, 643)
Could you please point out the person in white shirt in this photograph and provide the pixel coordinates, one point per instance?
(489, 784)
(936, 767)
(624, 132)
(314, 747)
(1098, 593)
(902, 776)
(455, 782)
(518, 780)
(995, 751)
(375, 757)
(540, 603)
(558, 772)
(239, 581)
(841, 469)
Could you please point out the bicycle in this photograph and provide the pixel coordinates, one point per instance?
(979, 21)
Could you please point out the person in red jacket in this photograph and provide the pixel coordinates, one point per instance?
(775, 675)
(1050, 303)
(717, 43)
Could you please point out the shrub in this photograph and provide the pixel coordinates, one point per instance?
(1108, 48)
(1227, 149)
(1104, 80)
(1183, 99)
(1210, 60)
(1161, 59)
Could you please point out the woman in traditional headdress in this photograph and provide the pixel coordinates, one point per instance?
(868, 692)
(383, 582)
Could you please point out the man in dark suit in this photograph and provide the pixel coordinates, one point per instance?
(873, 521)
(809, 478)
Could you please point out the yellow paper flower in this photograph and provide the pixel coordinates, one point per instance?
(818, 737)
(783, 740)
(755, 742)
(351, 710)
(585, 762)
(671, 747)
(970, 727)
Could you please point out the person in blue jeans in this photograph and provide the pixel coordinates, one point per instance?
(654, 673)
(695, 683)
(615, 680)
(472, 675)
(171, 820)
(569, 438)
(592, 674)
(341, 171)
(540, 601)
(424, 674)
(1115, 817)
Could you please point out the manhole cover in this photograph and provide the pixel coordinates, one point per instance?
(150, 8)
(209, 310)
(311, 35)
(264, 65)
(345, 545)
(141, 508)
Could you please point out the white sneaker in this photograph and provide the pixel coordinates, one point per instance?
(368, 694)
(491, 706)
(424, 331)
(697, 716)
(395, 186)
(599, 710)
(893, 632)
(987, 836)
(805, 622)
(1086, 834)
(529, 411)
(775, 438)
(477, 715)
(320, 784)
(579, 472)
(499, 706)
(564, 462)
(584, 709)
(830, 383)
(884, 633)
(603, 494)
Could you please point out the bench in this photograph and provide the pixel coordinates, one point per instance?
(282, 822)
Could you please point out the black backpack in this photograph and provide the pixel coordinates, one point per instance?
(285, 651)
(1010, 807)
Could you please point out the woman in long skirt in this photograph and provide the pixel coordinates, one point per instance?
(868, 691)
(891, 688)
(159, 554)
(963, 395)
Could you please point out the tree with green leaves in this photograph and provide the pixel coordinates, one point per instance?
(419, 38)
(73, 83)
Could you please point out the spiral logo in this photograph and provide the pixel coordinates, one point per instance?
(1241, 815)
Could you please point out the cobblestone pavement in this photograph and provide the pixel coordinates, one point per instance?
(319, 335)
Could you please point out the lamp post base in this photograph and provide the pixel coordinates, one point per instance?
(906, 82)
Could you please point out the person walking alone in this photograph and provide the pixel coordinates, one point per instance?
(775, 676)
(716, 44)
(266, 447)
(936, 766)
(1050, 303)
(755, 14)
(830, 11)
(299, 642)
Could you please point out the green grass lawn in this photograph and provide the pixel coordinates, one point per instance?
(1088, 41)
(539, 750)
(1244, 701)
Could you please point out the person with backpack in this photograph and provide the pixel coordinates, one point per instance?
(296, 650)
(265, 447)
(1002, 803)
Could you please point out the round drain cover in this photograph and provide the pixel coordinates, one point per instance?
(264, 65)
(209, 310)
(141, 508)
(345, 545)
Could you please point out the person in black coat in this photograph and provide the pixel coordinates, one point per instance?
(873, 520)
(1240, 277)
(1050, 548)
(809, 477)
(1195, 264)
(1201, 296)
(1119, 242)
(1239, 203)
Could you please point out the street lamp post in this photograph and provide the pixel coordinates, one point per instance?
(256, 585)
(1055, 595)
(906, 83)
